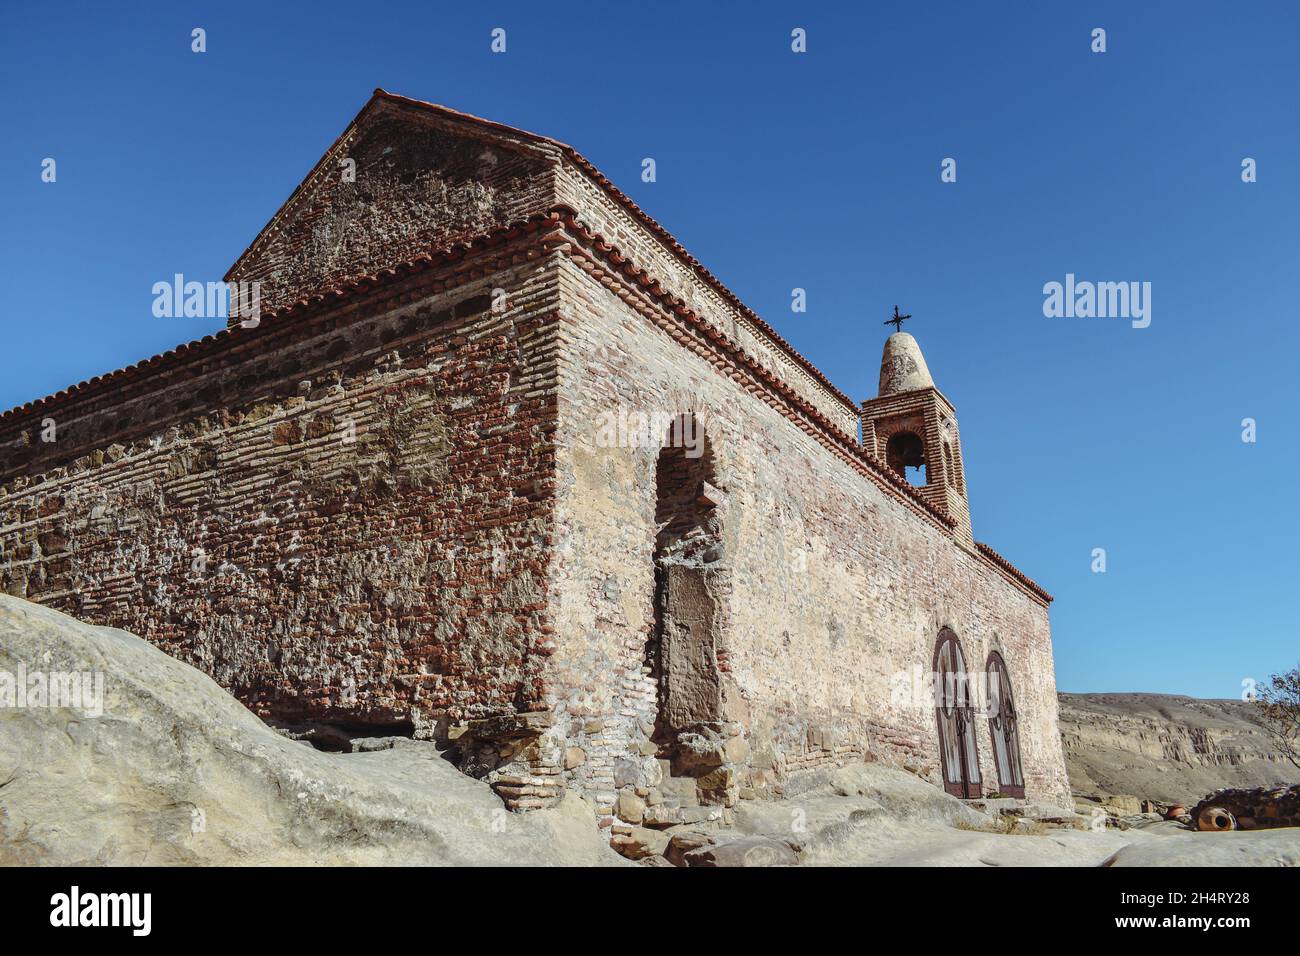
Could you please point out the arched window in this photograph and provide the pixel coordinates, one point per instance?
(905, 453)
(958, 756)
(1002, 728)
(952, 466)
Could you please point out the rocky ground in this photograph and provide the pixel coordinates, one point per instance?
(176, 772)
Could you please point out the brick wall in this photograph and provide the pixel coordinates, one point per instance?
(619, 226)
(346, 517)
(420, 183)
(838, 588)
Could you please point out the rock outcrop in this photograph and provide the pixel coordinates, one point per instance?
(150, 762)
(169, 769)
(1262, 848)
(1170, 749)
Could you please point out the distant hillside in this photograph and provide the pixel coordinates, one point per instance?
(1164, 747)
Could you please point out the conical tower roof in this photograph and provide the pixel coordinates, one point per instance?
(902, 367)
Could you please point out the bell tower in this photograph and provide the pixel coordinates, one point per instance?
(912, 428)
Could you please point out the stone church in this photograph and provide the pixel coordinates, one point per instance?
(502, 466)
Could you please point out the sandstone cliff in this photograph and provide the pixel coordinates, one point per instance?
(1164, 747)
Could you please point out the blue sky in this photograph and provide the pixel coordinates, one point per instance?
(780, 170)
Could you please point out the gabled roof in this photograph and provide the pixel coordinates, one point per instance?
(381, 96)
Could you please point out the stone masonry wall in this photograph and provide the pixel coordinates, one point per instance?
(346, 519)
(419, 183)
(613, 221)
(838, 588)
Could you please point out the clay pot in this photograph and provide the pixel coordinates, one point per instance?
(1216, 820)
(1176, 811)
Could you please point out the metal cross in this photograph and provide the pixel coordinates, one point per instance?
(898, 320)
